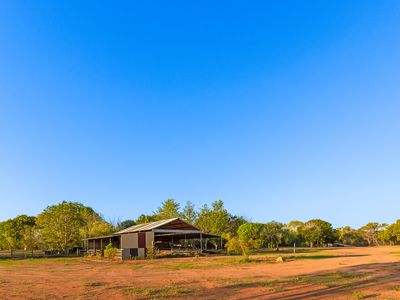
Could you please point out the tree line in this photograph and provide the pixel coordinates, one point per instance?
(62, 227)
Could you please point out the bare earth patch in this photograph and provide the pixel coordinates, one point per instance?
(342, 273)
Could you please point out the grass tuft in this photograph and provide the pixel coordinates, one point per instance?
(332, 279)
(358, 295)
(95, 283)
(189, 265)
(274, 285)
(136, 267)
(160, 293)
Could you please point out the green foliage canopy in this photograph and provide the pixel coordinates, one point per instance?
(14, 232)
(63, 226)
(317, 232)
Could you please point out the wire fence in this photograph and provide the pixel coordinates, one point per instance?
(35, 254)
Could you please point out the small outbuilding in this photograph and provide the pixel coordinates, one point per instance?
(175, 235)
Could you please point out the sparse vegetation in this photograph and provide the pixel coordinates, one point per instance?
(95, 283)
(151, 252)
(358, 295)
(136, 267)
(328, 279)
(332, 279)
(210, 276)
(160, 292)
(110, 251)
(61, 227)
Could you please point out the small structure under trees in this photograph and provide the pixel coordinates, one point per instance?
(175, 235)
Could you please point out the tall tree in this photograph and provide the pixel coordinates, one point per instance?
(93, 224)
(274, 233)
(12, 231)
(317, 232)
(31, 238)
(390, 234)
(370, 232)
(169, 209)
(350, 236)
(146, 219)
(215, 220)
(247, 238)
(60, 226)
(234, 223)
(125, 224)
(189, 213)
(63, 226)
(294, 235)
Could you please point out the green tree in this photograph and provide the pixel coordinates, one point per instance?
(31, 238)
(63, 226)
(350, 236)
(125, 224)
(247, 239)
(146, 219)
(93, 224)
(395, 232)
(12, 232)
(293, 234)
(110, 251)
(169, 209)
(97, 228)
(189, 213)
(370, 232)
(8, 236)
(390, 234)
(203, 219)
(234, 223)
(274, 234)
(317, 232)
(215, 220)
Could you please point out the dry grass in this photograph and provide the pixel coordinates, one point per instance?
(318, 273)
(160, 292)
(95, 283)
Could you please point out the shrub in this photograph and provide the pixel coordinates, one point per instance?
(151, 252)
(99, 254)
(110, 251)
(358, 295)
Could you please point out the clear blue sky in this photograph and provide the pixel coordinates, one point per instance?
(283, 109)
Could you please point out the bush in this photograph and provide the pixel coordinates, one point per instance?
(358, 295)
(110, 251)
(151, 252)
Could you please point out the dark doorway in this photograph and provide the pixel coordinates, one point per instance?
(142, 240)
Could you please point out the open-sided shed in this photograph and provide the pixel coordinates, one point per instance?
(171, 234)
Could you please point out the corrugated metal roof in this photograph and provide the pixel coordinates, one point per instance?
(149, 226)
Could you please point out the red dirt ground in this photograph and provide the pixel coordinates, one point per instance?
(342, 273)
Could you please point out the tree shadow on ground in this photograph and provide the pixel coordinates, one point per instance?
(367, 277)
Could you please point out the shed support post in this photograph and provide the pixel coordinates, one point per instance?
(201, 242)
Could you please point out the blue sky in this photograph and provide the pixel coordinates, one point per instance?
(283, 109)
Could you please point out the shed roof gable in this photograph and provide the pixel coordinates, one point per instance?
(174, 223)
